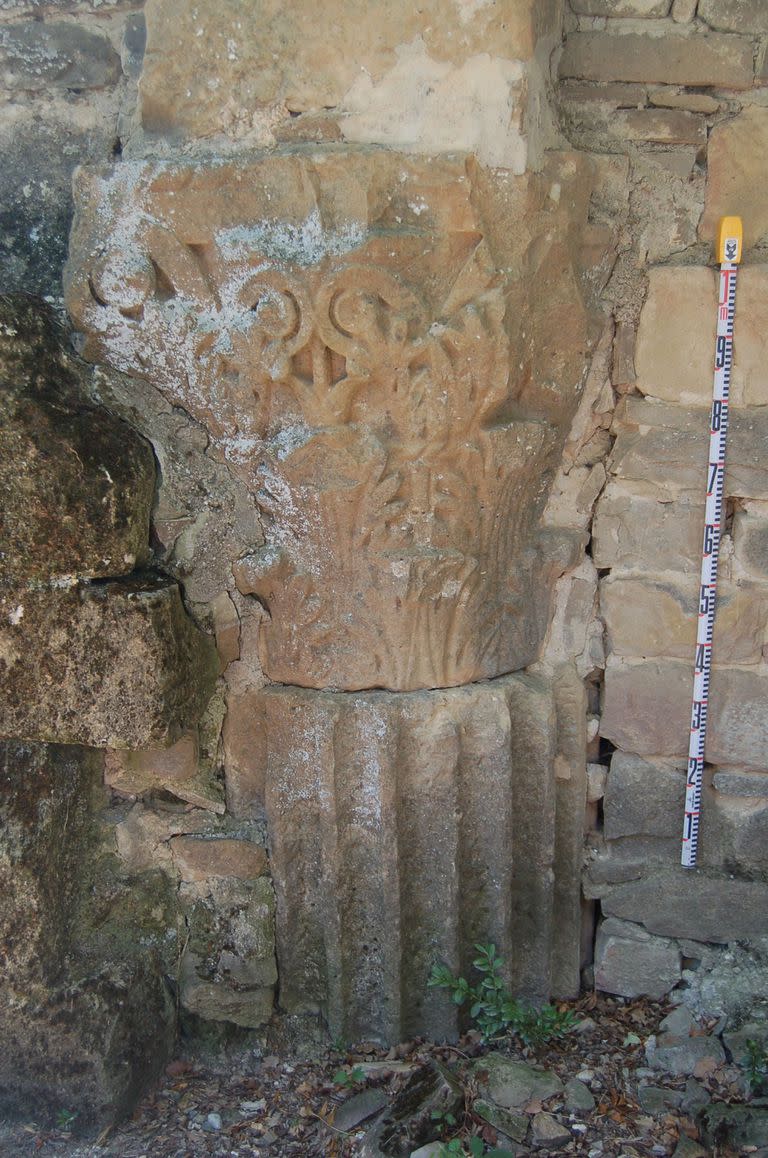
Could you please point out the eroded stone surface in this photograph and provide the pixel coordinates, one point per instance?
(339, 325)
(678, 903)
(228, 969)
(675, 339)
(77, 484)
(736, 172)
(69, 993)
(374, 799)
(648, 704)
(647, 521)
(452, 76)
(42, 55)
(747, 16)
(668, 444)
(671, 59)
(116, 665)
(659, 617)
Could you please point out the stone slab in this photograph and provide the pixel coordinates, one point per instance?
(659, 617)
(117, 665)
(675, 339)
(237, 67)
(648, 704)
(670, 444)
(725, 61)
(664, 126)
(83, 1025)
(643, 798)
(513, 1084)
(197, 858)
(616, 8)
(37, 55)
(681, 903)
(77, 483)
(638, 524)
(741, 783)
(736, 174)
(631, 962)
(749, 17)
(750, 540)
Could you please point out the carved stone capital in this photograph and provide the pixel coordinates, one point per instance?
(363, 335)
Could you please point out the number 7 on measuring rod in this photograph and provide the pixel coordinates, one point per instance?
(729, 246)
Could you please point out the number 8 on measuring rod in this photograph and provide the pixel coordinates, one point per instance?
(729, 246)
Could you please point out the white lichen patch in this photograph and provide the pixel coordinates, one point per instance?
(306, 243)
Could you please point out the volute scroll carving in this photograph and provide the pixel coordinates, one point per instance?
(361, 355)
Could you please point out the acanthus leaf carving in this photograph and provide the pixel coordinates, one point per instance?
(361, 386)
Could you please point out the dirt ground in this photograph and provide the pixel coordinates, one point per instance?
(244, 1105)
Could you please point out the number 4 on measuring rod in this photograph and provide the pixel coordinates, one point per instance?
(729, 246)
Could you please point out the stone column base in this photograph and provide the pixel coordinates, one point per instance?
(406, 827)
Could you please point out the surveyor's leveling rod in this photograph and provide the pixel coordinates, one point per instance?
(729, 244)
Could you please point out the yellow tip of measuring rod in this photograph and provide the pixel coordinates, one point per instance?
(730, 237)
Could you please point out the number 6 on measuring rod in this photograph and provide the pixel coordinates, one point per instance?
(729, 246)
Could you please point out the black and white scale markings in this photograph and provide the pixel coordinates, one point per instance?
(730, 254)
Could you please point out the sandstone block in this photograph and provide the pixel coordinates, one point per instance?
(671, 444)
(239, 68)
(513, 1084)
(737, 834)
(379, 503)
(114, 1017)
(654, 617)
(77, 483)
(746, 16)
(36, 55)
(604, 117)
(632, 962)
(198, 859)
(683, 11)
(115, 665)
(750, 540)
(679, 903)
(741, 783)
(643, 798)
(736, 171)
(648, 705)
(143, 836)
(725, 61)
(228, 970)
(675, 342)
(671, 98)
(670, 126)
(631, 8)
(373, 799)
(175, 770)
(638, 525)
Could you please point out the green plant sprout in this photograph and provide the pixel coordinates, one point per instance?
(495, 1012)
(756, 1065)
(349, 1078)
(473, 1149)
(65, 1119)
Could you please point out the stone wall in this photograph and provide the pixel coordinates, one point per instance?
(398, 345)
(670, 100)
